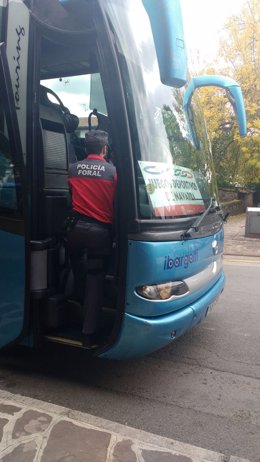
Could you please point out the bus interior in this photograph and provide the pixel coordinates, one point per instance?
(67, 62)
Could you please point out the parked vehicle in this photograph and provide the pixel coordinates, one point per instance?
(120, 65)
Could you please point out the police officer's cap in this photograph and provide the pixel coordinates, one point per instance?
(96, 136)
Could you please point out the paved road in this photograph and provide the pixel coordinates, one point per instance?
(203, 390)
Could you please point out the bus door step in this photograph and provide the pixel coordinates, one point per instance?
(55, 311)
(62, 340)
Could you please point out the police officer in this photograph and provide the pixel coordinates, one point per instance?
(92, 182)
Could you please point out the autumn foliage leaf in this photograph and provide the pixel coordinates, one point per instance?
(237, 160)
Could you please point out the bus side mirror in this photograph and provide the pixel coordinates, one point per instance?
(234, 94)
(166, 23)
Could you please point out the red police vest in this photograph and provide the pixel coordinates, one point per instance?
(92, 182)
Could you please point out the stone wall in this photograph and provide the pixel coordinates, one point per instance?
(226, 195)
(246, 197)
(235, 202)
(234, 207)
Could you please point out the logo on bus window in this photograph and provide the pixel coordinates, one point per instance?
(159, 170)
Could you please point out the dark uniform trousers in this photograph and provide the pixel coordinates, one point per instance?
(89, 244)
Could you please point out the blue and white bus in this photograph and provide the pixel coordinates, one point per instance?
(68, 66)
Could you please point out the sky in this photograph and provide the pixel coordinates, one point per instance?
(203, 21)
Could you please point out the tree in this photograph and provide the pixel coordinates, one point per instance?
(237, 159)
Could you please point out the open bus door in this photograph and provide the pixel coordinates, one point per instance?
(12, 215)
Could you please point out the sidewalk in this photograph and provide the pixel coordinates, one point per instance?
(36, 431)
(236, 243)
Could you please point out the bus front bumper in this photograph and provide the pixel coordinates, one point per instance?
(140, 336)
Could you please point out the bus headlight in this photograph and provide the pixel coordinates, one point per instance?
(165, 291)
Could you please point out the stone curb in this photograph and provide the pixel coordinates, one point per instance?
(140, 438)
(246, 258)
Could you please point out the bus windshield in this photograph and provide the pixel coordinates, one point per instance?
(175, 175)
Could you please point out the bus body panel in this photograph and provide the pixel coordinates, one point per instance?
(197, 262)
(17, 43)
(12, 286)
(13, 268)
(150, 334)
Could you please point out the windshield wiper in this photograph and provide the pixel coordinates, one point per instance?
(196, 225)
